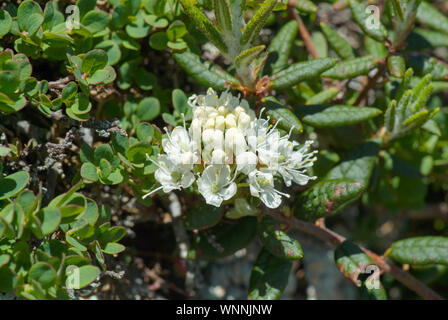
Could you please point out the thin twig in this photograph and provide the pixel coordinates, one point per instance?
(371, 83)
(304, 34)
(60, 83)
(335, 239)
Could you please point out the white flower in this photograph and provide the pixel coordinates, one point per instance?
(225, 130)
(171, 176)
(216, 184)
(180, 148)
(292, 164)
(261, 185)
(246, 162)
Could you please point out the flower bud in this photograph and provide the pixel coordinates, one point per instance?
(230, 121)
(246, 162)
(220, 123)
(243, 121)
(210, 123)
(223, 111)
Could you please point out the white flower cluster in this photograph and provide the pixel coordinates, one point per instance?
(226, 144)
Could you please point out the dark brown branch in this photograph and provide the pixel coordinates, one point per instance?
(335, 239)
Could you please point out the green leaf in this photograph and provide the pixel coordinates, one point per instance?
(269, 277)
(203, 217)
(339, 115)
(8, 279)
(78, 278)
(365, 19)
(202, 72)
(372, 293)
(204, 25)
(323, 96)
(176, 30)
(89, 172)
(257, 22)
(222, 14)
(43, 273)
(95, 21)
(351, 261)
(13, 184)
(5, 23)
(281, 113)
(148, 109)
(94, 60)
(69, 91)
(85, 6)
(397, 66)
(138, 28)
(306, 6)
(432, 17)
(50, 219)
(224, 239)
(137, 152)
(327, 198)
(112, 49)
(280, 48)
(180, 101)
(342, 47)
(301, 71)
(420, 250)
(113, 248)
(375, 48)
(158, 40)
(278, 242)
(351, 68)
(29, 16)
(248, 56)
(358, 165)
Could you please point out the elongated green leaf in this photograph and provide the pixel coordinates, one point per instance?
(339, 115)
(224, 239)
(327, 198)
(222, 14)
(278, 242)
(269, 277)
(341, 46)
(279, 112)
(323, 96)
(257, 22)
(202, 72)
(368, 21)
(280, 48)
(424, 66)
(351, 68)
(245, 58)
(301, 71)
(432, 17)
(420, 250)
(306, 6)
(204, 25)
(358, 165)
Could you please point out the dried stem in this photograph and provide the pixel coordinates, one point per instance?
(304, 34)
(335, 239)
